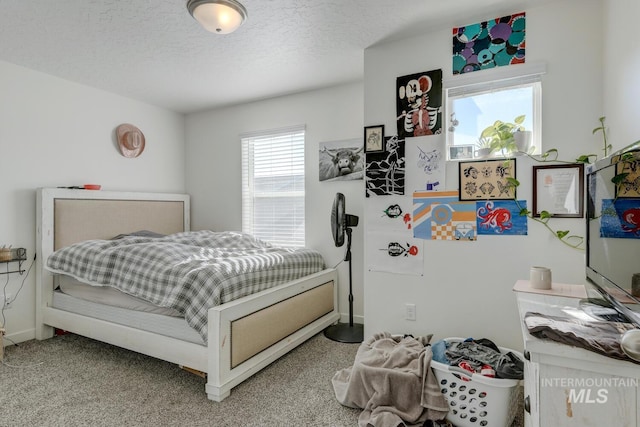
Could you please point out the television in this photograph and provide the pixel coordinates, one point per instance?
(613, 236)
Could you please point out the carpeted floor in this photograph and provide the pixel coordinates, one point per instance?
(74, 381)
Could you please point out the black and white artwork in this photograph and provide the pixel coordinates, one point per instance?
(385, 171)
(341, 160)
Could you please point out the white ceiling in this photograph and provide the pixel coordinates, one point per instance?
(154, 51)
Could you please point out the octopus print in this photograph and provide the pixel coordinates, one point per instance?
(498, 219)
(620, 218)
(631, 221)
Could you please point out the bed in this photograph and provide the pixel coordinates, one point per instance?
(242, 336)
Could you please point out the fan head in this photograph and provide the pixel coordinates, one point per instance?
(340, 220)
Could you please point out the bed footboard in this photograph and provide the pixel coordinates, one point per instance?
(256, 330)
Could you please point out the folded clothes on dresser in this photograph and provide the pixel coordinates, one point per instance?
(597, 336)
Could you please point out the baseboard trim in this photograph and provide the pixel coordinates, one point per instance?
(18, 337)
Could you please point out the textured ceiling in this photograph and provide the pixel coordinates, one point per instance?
(153, 50)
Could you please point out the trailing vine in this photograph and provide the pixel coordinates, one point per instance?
(603, 129)
(551, 156)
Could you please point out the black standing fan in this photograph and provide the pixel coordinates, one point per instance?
(341, 223)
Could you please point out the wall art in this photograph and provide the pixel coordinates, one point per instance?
(392, 253)
(419, 104)
(374, 139)
(558, 190)
(630, 185)
(489, 44)
(620, 218)
(426, 163)
(440, 215)
(385, 171)
(487, 179)
(390, 213)
(341, 160)
(501, 217)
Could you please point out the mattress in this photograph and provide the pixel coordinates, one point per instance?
(171, 326)
(108, 296)
(189, 271)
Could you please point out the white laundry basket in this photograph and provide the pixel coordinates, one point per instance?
(475, 400)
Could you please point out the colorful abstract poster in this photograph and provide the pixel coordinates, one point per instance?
(501, 217)
(489, 44)
(341, 160)
(441, 215)
(426, 166)
(391, 253)
(384, 174)
(620, 218)
(419, 104)
(390, 213)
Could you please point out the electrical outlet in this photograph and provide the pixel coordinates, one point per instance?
(410, 311)
(6, 304)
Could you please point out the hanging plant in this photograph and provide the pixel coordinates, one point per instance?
(551, 155)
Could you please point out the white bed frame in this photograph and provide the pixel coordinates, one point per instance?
(227, 324)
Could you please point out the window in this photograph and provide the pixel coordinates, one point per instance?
(475, 103)
(273, 186)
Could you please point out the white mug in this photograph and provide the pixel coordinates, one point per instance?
(540, 278)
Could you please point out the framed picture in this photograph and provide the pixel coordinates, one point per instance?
(487, 179)
(629, 187)
(461, 152)
(374, 139)
(558, 190)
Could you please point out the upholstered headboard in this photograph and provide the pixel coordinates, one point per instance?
(66, 216)
(76, 220)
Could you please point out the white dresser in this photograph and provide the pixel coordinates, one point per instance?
(571, 386)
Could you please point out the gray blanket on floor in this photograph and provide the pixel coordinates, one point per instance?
(392, 381)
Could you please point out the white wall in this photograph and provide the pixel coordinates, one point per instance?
(466, 289)
(213, 174)
(57, 133)
(621, 83)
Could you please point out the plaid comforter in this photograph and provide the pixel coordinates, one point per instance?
(189, 271)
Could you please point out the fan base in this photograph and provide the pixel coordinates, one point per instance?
(343, 332)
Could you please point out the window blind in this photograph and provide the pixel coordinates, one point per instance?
(273, 195)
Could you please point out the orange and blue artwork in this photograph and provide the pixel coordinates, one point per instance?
(501, 217)
(489, 44)
(440, 215)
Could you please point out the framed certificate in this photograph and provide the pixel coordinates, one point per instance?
(558, 190)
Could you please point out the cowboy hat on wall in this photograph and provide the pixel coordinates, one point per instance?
(130, 140)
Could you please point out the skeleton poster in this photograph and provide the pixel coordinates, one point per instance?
(489, 44)
(394, 253)
(426, 168)
(385, 170)
(419, 104)
(341, 160)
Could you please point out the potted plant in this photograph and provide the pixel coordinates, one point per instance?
(484, 147)
(508, 137)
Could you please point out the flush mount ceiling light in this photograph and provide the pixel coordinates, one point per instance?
(218, 16)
